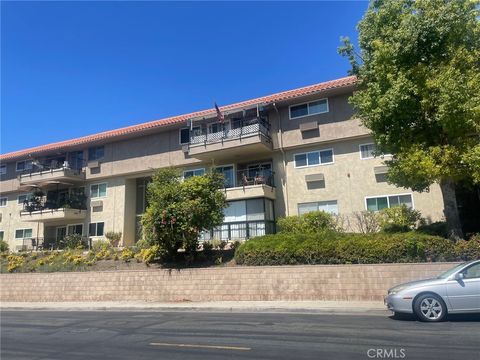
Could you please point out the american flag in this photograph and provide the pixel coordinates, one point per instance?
(220, 116)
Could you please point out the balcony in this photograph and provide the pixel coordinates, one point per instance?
(40, 209)
(251, 183)
(42, 174)
(239, 138)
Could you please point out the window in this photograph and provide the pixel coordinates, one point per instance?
(314, 158)
(307, 109)
(22, 198)
(185, 134)
(3, 169)
(98, 190)
(195, 172)
(3, 201)
(2, 234)
(96, 229)
(472, 272)
(367, 151)
(24, 165)
(96, 153)
(218, 127)
(23, 233)
(327, 206)
(228, 173)
(248, 210)
(75, 229)
(141, 201)
(381, 202)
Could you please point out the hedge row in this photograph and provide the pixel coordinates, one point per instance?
(347, 248)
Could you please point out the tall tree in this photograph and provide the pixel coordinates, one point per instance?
(418, 71)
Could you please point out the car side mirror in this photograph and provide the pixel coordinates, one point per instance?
(459, 276)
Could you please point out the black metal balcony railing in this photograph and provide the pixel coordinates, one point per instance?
(240, 230)
(77, 201)
(235, 130)
(50, 167)
(255, 176)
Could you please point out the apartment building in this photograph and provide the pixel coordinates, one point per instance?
(282, 154)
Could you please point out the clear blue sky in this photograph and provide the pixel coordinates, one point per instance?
(75, 68)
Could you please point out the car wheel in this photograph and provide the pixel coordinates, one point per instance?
(430, 307)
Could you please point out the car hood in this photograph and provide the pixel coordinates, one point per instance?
(417, 283)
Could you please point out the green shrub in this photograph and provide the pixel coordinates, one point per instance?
(152, 254)
(207, 246)
(101, 245)
(329, 247)
(73, 241)
(3, 246)
(114, 238)
(217, 244)
(468, 249)
(398, 219)
(437, 228)
(310, 222)
(127, 254)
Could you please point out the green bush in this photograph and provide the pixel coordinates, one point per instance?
(101, 245)
(114, 237)
(73, 241)
(330, 247)
(398, 219)
(310, 222)
(468, 249)
(437, 228)
(3, 246)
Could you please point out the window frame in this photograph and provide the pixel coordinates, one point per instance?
(360, 150)
(6, 201)
(3, 169)
(308, 109)
(25, 166)
(234, 173)
(189, 133)
(210, 125)
(74, 225)
(96, 228)
(23, 232)
(372, 157)
(27, 197)
(388, 200)
(98, 184)
(197, 169)
(318, 206)
(466, 269)
(319, 158)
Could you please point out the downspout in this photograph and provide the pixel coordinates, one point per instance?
(284, 158)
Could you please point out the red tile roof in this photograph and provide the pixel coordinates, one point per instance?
(112, 134)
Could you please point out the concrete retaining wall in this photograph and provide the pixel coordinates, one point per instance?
(315, 282)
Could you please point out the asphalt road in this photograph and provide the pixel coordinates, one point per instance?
(206, 335)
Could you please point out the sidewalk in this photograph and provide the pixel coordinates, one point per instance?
(332, 307)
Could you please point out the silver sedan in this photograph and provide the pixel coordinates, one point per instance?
(456, 291)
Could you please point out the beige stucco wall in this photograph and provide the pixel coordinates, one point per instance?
(349, 180)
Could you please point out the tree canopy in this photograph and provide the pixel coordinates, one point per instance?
(418, 71)
(180, 209)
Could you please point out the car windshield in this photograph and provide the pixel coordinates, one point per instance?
(447, 273)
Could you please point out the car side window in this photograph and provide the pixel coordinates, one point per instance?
(473, 272)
